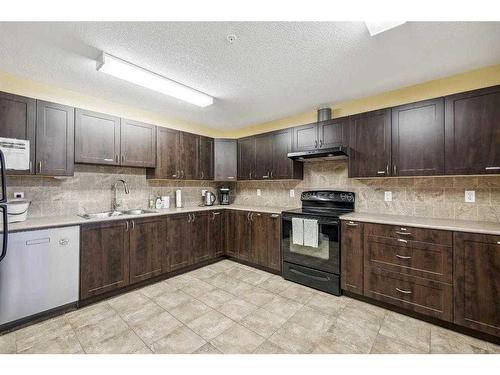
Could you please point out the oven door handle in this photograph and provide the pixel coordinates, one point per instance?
(319, 278)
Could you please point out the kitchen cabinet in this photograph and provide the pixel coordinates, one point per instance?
(273, 231)
(418, 138)
(137, 144)
(206, 158)
(104, 257)
(282, 166)
(146, 247)
(55, 139)
(168, 149)
(178, 250)
(189, 156)
(97, 138)
(198, 236)
(477, 282)
(17, 119)
(472, 132)
(352, 256)
(246, 158)
(263, 156)
(322, 134)
(216, 233)
(370, 143)
(258, 240)
(226, 160)
(239, 235)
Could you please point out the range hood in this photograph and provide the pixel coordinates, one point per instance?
(330, 153)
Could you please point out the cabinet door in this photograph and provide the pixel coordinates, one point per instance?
(231, 232)
(178, 243)
(97, 138)
(305, 137)
(283, 167)
(472, 132)
(243, 239)
(476, 274)
(370, 144)
(146, 248)
(226, 160)
(168, 147)
(246, 158)
(17, 120)
(55, 139)
(198, 234)
(104, 258)
(274, 242)
(259, 227)
(206, 168)
(352, 256)
(138, 144)
(190, 156)
(334, 132)
(216, 230)
(263, 156)
(418, 139)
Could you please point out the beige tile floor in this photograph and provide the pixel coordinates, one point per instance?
(231, 308)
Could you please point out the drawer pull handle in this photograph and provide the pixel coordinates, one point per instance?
(380, 172)
(351, 224)
(403, 233)
(403, 291)
(402, 256)
(401, 240)
(492, 168)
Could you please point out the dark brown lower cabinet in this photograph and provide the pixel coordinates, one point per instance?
(178, 250)
(104, 258)
(146, 248)
(352, 256)
(197, 235)
(274, 242)
(477, 282)
(216, 233)
(243, 240)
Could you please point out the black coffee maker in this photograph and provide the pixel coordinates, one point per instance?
(224, 195)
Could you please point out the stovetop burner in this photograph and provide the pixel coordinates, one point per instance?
(325, 203)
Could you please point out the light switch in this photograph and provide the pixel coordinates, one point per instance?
(259, 193)
(470, 196)
(292, 193)
(388, 196)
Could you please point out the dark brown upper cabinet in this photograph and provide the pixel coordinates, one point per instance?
(370, 143)
(472, 132)
(17, 120)
(284, 167)
(55, 139)
(225, 160)
(418, 139)
(206, 164)
(305, 137)
(323, 134)
(189, 156)
(263, 156)
(246, 158)
(137, 144)
(97, 138)
(168, 150)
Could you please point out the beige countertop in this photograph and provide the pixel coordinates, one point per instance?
(482, 227)
(69, 220)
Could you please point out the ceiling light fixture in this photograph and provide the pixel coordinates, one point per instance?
(377, 27)
(129, 72)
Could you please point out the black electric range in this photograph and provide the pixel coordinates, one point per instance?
(317, 263)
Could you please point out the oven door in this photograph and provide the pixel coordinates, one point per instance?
(326, 257)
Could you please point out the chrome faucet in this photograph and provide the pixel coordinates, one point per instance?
(115, 204)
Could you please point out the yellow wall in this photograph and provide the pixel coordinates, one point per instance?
(471, 80)
(21, 86)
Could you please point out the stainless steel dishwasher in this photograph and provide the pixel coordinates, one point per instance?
(39, 273)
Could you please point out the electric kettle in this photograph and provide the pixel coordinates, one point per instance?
(209, 198)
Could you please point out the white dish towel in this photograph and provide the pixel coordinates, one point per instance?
(297, 231)
(311, 232)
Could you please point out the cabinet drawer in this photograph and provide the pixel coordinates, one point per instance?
(415, 258)
(435, 236)
(420, 295)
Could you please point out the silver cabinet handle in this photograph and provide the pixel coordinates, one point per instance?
(403, 291)
(403, 233)
(250, 175)
(133, 225)
(126, 226)
(267, 176)
(394, 169)
(316, 143)
(256, 214)
(380, 172)
(401, 240)
(320, 143)
(117, 159)
(40, 167)
(402, 256)
(272, 174)
(214, 214)
(194, 217)
(492, 168)
(123, 158)
(230, 177)
(498, 242)
(351, 224)
(108, 159)
(202, 173)
(387, 169)
(275, 216)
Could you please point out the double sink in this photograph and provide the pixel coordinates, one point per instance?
(106, 214)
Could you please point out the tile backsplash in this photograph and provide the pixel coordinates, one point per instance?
(439, 197)
(90, 190)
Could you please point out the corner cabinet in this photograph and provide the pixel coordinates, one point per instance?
(226, 160)
(472, 132)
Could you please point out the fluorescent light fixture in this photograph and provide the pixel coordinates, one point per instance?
(129, 72)
(377, 27)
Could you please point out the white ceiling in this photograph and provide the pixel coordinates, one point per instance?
(272, 70)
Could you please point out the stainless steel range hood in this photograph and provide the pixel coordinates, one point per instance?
(330, 153)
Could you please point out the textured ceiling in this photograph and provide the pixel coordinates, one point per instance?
(272, 70)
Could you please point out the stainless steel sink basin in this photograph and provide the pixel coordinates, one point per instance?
(101, 215)
(139, 211)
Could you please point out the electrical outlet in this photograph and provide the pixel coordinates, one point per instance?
(292, 193)
(259, 193)
(470, 196)
(203, 192)
(19, 194)
(388, 196)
